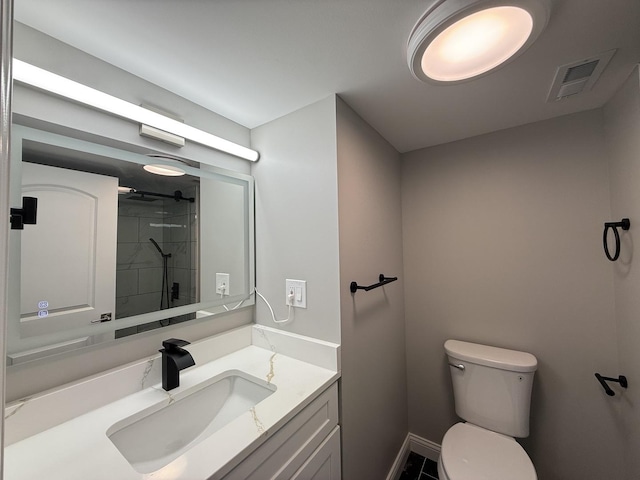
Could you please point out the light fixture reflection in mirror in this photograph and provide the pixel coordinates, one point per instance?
(166, 170)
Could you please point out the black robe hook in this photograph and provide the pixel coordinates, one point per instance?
(624, 224)
(622, 380)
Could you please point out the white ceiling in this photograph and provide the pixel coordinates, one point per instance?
(255, 60)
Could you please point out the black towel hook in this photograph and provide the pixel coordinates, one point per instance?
(625, 224)
(622, 380)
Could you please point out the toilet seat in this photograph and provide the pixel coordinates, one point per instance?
(471, 452)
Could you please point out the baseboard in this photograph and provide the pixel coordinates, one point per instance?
(424, 447)
(401, 459)
(413, 443)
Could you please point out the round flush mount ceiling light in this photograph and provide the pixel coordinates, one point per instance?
(457, 40)
(166, 170)
(171, 166)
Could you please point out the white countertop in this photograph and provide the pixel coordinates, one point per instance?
(80, 449)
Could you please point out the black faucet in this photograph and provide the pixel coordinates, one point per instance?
(174, 359)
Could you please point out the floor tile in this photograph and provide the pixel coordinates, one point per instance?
(413, 467)
(430, 468)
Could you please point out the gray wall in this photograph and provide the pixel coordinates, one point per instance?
(297, 218)
(622, 128)
(502, 246)
(373, 385)
(328, 211)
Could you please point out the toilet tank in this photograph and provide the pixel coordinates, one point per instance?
(492, 386)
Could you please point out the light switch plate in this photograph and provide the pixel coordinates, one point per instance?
(222, 284)
(299, 289)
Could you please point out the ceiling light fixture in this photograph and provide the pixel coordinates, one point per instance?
(170, 166)
(166, 170)
(457, 40)
(58, 85)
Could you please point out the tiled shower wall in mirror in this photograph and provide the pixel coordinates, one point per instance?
(143, 282)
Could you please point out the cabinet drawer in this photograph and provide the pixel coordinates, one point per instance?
(324, 463)
(288, 449)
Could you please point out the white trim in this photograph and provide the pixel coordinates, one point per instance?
(401, 459)
(424, 447)
(413, 443)
(6, 53)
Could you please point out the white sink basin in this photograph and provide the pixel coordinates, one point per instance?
(154, 437)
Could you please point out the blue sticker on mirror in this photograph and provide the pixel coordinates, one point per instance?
(43, 313)
(43, 304)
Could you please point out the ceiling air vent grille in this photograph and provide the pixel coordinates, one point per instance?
(578, 77)
(579, 72)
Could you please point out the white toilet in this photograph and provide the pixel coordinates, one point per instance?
(492, 390)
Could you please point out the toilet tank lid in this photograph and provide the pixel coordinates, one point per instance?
(491, 356)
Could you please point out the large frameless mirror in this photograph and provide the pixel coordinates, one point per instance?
(118, 250)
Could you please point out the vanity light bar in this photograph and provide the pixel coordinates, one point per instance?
(58, 85)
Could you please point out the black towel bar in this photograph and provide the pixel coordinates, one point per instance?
(382, 280)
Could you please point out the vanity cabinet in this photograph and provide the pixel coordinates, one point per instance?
(305, 448)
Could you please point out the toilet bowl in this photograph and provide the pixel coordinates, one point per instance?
(474, 453)
(492, 392)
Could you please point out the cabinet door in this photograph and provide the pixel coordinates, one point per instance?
(324, 463)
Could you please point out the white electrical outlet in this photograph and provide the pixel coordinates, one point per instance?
(297, 288)
(222, 284)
